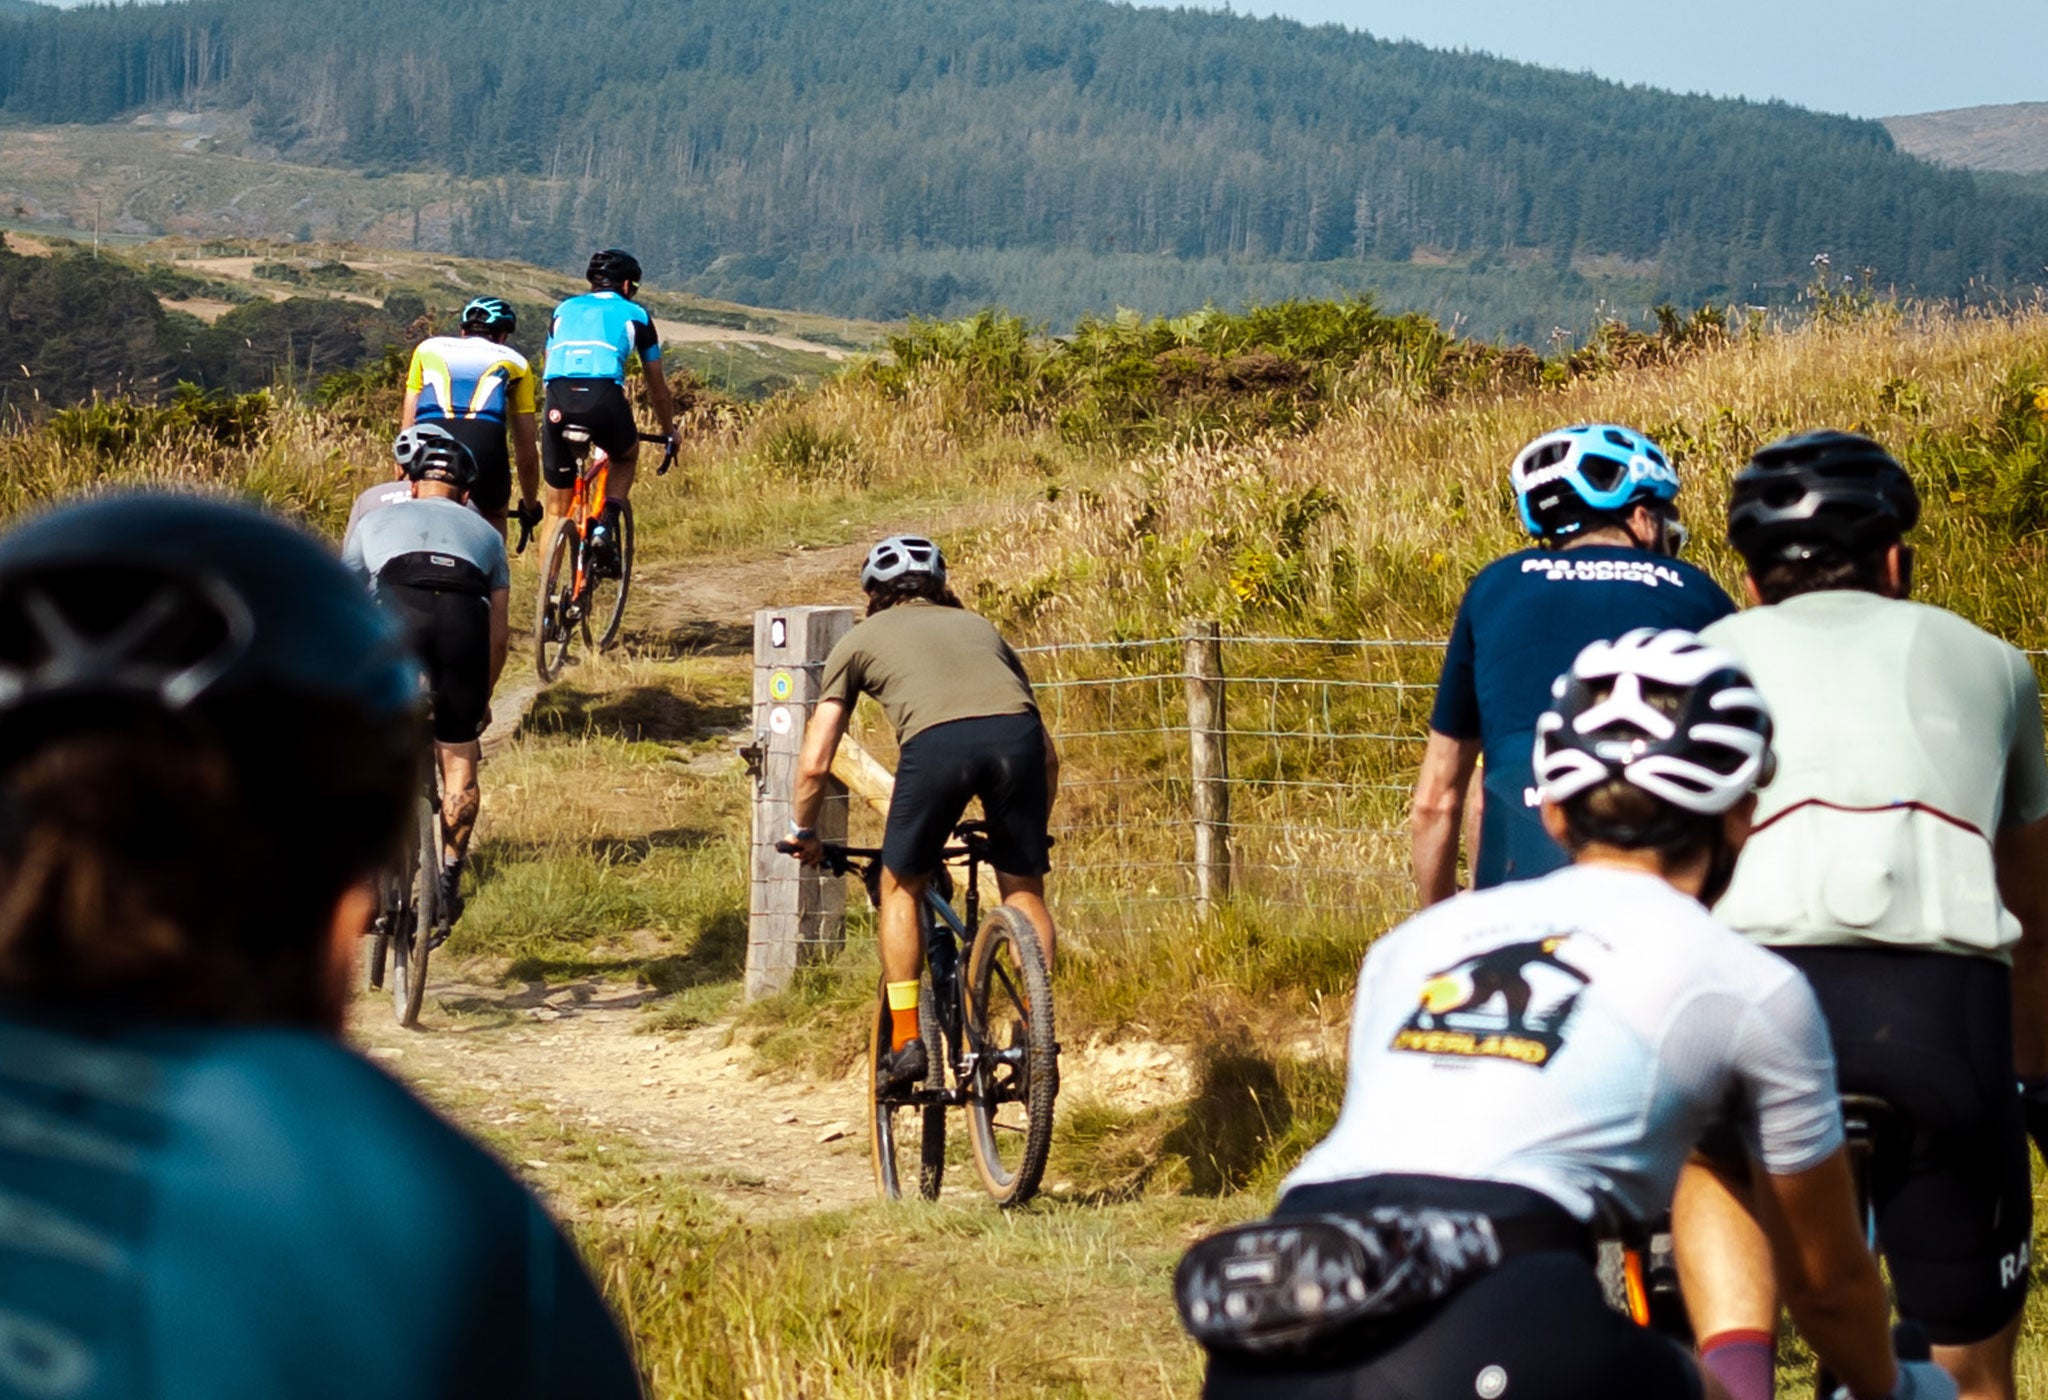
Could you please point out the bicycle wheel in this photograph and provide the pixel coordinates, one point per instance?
(887, 1115)
(413, 938)
(1010, 1023)
(554, 628)
(604, 606)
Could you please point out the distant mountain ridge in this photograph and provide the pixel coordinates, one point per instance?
(927, 156)
(2011, 138)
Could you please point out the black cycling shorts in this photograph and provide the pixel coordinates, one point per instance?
(1538, 1327)
(450, 633)
(1931, 1033)
(485, 440)
(997, 758)
(597, 405)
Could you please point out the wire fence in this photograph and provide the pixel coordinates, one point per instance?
(1318, 740)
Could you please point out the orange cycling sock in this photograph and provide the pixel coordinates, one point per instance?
(902, 1013)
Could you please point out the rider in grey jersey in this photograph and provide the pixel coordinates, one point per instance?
(441, 569)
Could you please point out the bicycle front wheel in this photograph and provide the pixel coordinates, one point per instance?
(890, 1118)
(413, 938)
(554, 626)
(605, 607)
(1010, 1027)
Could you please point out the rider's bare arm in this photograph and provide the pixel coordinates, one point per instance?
(1435, 814)
(814, 762)
(501, 631)
(658, 395)
(1826, 1274)
(408, 410)
(2021, 857)
(1052, 772)
(526, 455)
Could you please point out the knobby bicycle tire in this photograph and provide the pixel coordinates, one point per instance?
(553, 634)
(607, 596)
(416, 934)
(884, 1117)
(1008, 989)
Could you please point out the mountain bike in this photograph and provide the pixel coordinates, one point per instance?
(989, 1034)
(408, 923)
(579, 595)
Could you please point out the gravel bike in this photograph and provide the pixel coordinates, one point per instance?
(985, 1011)
(409, 923)
(581, 594)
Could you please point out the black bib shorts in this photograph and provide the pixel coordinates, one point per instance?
(597, 405)
(997, 758)
(444, 607)
(1950, 1177)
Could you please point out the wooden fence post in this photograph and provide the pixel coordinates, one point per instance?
(795, 913)
(1208, 763)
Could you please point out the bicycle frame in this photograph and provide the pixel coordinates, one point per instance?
(592, 478)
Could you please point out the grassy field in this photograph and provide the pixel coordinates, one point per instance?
(611, 849)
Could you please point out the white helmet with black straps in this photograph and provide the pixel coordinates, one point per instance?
(1709, 751)
(902, 556)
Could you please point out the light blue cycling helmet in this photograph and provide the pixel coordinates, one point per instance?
(1566, 480)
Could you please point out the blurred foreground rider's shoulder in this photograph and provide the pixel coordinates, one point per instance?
(208, 740)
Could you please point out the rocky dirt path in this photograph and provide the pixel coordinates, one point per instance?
(696, 1102)
(692, 1102)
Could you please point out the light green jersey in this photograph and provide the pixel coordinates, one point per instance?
(1907, 739)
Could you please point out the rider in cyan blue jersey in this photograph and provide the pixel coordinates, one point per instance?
(210, 739)
(1601, 502)
(591, 340)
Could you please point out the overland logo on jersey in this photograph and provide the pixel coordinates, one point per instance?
(1508, 1004)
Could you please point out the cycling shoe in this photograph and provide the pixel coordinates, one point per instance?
(902, 1068)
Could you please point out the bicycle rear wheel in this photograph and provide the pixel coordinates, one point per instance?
(604, 607)
(554, 628)
(413, 937)
(1010, 1026)
(890, 1119)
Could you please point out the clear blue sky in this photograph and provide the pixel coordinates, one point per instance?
(1872, 58)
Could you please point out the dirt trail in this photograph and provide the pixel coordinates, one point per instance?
(692, 1102)
(695, 1102)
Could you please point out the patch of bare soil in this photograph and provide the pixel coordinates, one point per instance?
(709, 606)
(695, 1102)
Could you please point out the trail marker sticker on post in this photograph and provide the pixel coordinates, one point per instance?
(796, 912)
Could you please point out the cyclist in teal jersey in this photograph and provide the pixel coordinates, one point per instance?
(209, 740)
(591, 340)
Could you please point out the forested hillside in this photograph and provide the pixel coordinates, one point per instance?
(775, 148)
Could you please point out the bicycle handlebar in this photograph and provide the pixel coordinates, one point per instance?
(668, 458)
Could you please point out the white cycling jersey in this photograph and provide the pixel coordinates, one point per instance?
(1906, 739)
(1577, 1035)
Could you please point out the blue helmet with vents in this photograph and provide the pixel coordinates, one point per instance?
(1567, 480)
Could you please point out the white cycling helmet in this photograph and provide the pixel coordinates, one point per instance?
(1704, 757)
(902, 556)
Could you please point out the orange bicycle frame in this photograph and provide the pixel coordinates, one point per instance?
(592, 480)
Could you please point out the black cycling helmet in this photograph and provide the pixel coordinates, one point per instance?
(612, 267)
(225, 619)
(1815, 494)
(429, 452)
(490, 315)
(1701, 759)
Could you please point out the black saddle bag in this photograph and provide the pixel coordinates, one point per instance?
(1300, 1288)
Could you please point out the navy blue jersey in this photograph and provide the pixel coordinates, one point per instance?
(235, 1214)
(1522, 623)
